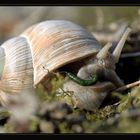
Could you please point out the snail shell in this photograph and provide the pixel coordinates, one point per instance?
(57, 43)
(50, 45)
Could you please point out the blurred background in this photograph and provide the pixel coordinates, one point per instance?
(15, 19)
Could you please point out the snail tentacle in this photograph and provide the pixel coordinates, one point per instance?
(104, 51)
(120, 45)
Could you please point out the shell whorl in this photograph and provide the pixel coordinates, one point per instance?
(18, 69)
(56, 43)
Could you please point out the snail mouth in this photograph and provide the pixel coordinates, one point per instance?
(105, 86)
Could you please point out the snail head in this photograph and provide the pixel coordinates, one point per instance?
(104, 63)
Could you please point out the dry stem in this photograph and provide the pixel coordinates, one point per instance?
(128, 86)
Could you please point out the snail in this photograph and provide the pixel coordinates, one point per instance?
(65, 47)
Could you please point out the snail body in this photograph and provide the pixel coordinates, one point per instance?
(52, 45)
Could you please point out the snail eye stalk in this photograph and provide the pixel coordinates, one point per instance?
(120, 45)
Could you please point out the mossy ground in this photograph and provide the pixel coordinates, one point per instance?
(56, 116)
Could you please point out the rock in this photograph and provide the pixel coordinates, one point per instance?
(47, 126)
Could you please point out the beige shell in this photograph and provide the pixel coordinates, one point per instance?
(56, 43)
(18, 69)
(50, 44)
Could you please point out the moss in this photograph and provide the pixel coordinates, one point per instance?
(101, 120)
(118, 117)
(42, 94)
(4, 113)
(64, 128)
(33, 124)
(9, 128)
(56, 82)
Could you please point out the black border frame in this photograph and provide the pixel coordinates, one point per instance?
(69, 2)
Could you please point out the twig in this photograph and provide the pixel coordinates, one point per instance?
(135, 54)
(128, 86)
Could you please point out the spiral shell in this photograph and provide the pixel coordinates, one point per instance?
(18, 69)
(50, 45)
(56, 43)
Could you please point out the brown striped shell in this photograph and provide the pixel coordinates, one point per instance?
(56, 43)
(50, 44)
(18, 69)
